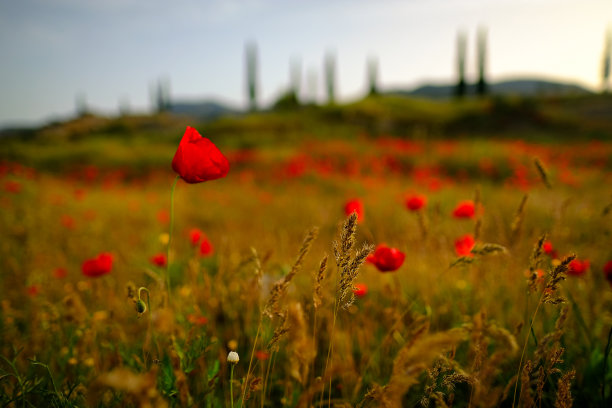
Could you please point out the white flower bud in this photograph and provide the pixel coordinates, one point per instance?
(232, 357)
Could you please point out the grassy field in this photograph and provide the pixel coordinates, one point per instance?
(515, 322)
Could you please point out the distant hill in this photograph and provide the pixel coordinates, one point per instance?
(204, 110)
(519, 87)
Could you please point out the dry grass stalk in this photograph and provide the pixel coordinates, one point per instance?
(557, 275)
(414, 357)
(442, 378)
(348, 265)
(258, 268)
(486, 368)
(422, 224)
(534, 262)
(255, 385)
(477, 229)
(564, 394)
(525, 395)
(301, 347)
(542, 172)
(462, 260)
(317, 296)
(279, 332)
(343, 248)
(280, 287)
(515, 228)
(346, 297)
(488, 248)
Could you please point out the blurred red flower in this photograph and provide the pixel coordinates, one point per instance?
(416, 202)
(194, 236)
(386, 259)
(464, 245)
(465, 209)
(33, 290)
(60, 273)
(197, 159)
(11, 186)
(262, 355)
(578, 267)
(67, 221)
(360, 290)
(607, 270)
(163, 216)
(549, 250)
(197, 320)
(354, 205)
(206, 247)
(159, 260)
(98, 266)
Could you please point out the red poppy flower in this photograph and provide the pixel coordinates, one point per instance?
(197, 320)
(548, 249)
(197, 159)
(387, 259)
(159, 260)
(67, 221)
(194, 236)
(578, 267)
(360, 290)
(11, 186)
(206, 247)
(464, 245)
(98, 266)
(416, 202)
(33, 290)
(60, 273)
(607, 269)
(465, 209)
(354, 206)
(163, 216)
(262, 355)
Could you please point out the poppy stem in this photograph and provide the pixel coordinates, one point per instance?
(170, 236)
(605, 366)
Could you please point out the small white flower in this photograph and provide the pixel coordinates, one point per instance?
(232, 357)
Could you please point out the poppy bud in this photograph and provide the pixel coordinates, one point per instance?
(141, 307)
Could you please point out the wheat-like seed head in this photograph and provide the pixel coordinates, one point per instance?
(557, 275)
(542, 172)
(280, 287)
(317, 296)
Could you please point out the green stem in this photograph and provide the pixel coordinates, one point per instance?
(246, 382)
(148, 297)
(170, 236)
(518, 374)
(605, 366)
(232, 384)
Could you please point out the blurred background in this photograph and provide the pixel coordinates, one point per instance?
(63, 57)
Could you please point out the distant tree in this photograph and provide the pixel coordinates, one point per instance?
(312, 85)
(81, 107)
(330, 77)
(481, 47)
(607, 61)
(251, 74)
(124, 106)
(161, 92)
(295, 78)
(372, 70)
(460, 88)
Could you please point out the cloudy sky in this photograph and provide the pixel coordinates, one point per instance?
(111, 51)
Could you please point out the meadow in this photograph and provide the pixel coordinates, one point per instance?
(501, 296)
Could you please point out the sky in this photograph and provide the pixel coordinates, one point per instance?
(111, 52)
